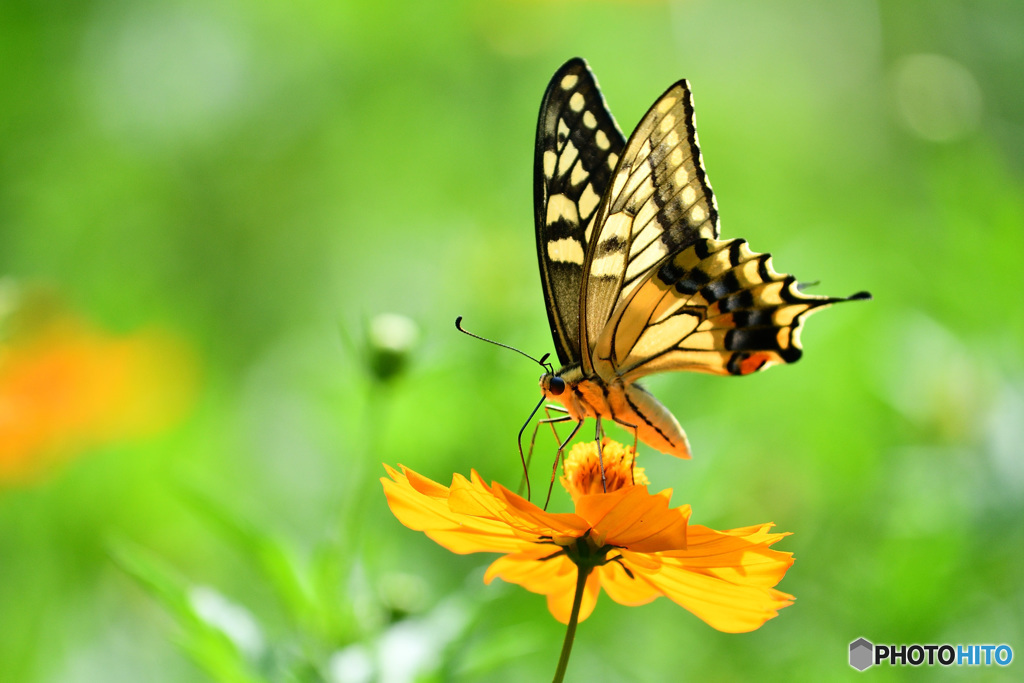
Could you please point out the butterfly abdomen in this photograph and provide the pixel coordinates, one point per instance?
(628, 405)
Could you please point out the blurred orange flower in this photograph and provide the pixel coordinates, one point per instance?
(66, 386)
(633, 544)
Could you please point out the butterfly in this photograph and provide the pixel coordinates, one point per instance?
(636, 280)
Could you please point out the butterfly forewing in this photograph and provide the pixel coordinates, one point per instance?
(578, 147)
(659, 202)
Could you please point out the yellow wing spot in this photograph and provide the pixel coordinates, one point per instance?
(576, 102)
(782, 338)
(770, 292)
(647, 258)
(568, 158)
(662, 336)
(689, 195)
(610, 265)
(785, 315)
(668, 123)
(745, 253)
(698, 214)
(666, 104)
(602, 140)
(588, 200)
(642, 154)
(645, 223)
(637, 190)
(579, 174)
(676, 158)
(569, 81)
(619, 182)
(550, 159)
(589, 121)
(559, 207)
(563, 130)
(613, 159)
(650, 232)
(748, 274)
(682, 177)
(671, 140)
(616, 228)
(566, 250)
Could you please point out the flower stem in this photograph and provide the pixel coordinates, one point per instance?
(570, 631)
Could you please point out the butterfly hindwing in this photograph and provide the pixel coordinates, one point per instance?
(715, 306)
(659, 202)
(578, 147)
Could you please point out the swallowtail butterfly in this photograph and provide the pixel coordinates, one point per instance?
(635, 278)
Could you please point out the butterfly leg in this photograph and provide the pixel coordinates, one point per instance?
(634, 428)
(533, 438)
(558, 457)
(551, 421)
(519, 440)
(598, 433)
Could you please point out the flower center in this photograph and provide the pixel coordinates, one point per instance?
(582, 470)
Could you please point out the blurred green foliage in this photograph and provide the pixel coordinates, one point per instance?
(265, 179)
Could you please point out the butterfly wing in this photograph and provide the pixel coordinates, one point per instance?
(659, 203)
(662, 292)
(578, 146)
(714, 306)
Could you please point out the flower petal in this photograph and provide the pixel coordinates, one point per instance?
(624, 589)
(422, 505)
(543, 569)
(725, 578)
(556, 524)
(537, 568)
(736, 554)
(560, 604)
(633, 518)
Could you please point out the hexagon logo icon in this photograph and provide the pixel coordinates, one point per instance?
(861, 654)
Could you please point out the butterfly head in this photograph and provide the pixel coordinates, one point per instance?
(552, 385)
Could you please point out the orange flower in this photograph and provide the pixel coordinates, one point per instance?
(631, 542)
(66, 387)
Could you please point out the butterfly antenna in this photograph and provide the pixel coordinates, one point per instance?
(543, 359)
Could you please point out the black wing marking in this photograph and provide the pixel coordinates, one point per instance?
(578, 147)
(659, 203)
(713, 307)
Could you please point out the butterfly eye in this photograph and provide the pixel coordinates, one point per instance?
(556, 386)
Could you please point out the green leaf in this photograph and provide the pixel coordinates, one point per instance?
(207, 645)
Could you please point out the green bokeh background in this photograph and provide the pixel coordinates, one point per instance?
(264, 178)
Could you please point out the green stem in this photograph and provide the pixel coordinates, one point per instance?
(570, 631)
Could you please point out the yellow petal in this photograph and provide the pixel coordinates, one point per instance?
(538, 572)
(632, 518)
(429, 512)
(623, 589)
(560, 603)
(554, 524)
(469, 517)
(725, 578)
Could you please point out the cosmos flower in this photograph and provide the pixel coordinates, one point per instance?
(627, 541)
(67, 386)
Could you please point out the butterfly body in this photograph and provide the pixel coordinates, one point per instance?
(635, 278)
(628, 405)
